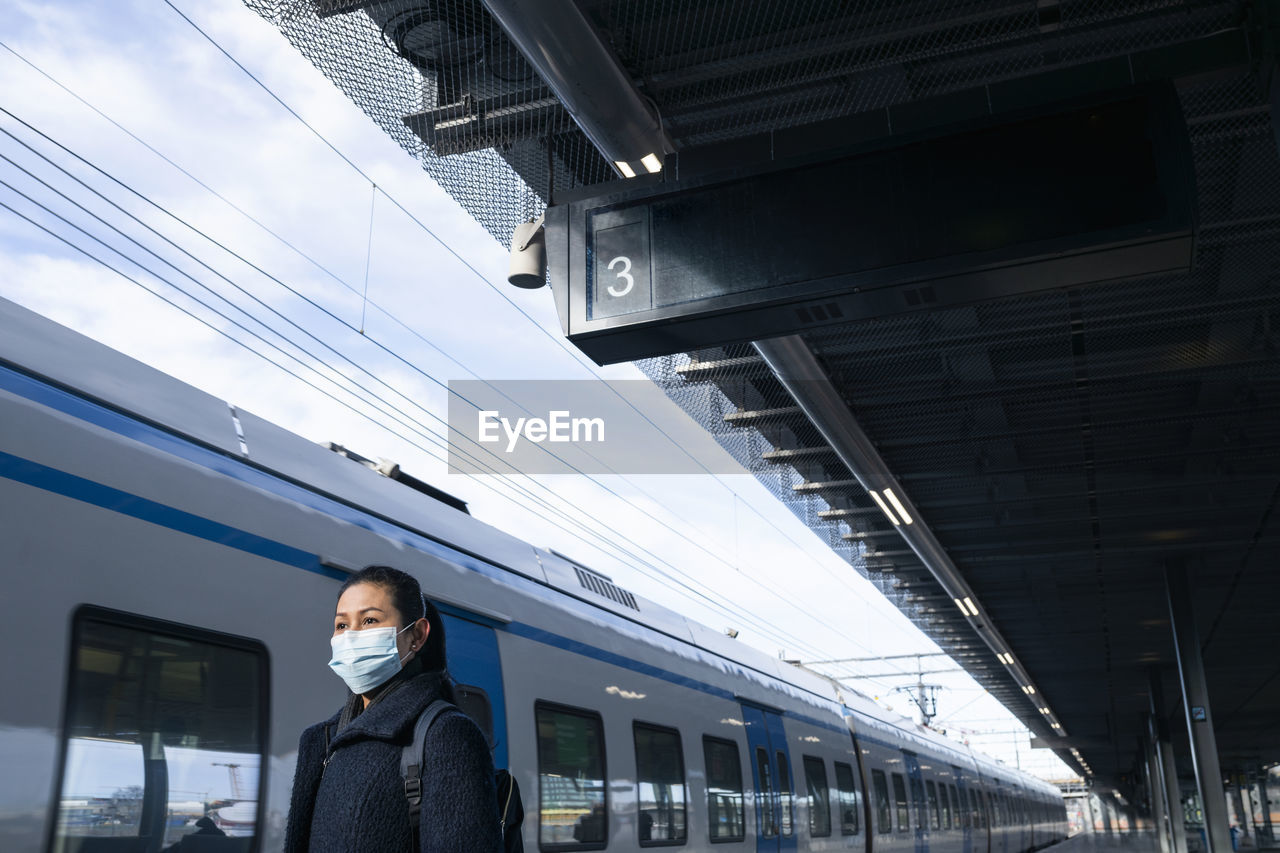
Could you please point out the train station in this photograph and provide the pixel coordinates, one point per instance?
(986, 295)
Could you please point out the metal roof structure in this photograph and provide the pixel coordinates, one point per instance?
(1064, 447)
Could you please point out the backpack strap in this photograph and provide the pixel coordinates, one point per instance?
(411, 763)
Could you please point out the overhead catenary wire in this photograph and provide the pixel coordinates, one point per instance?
(366, 302)
(753, 580)
(259, 301)
(565, 516)
(629, 556)
(554, 338)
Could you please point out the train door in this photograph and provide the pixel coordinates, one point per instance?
(771, 771)
(916, 783)
(473, 662)
(963, 814)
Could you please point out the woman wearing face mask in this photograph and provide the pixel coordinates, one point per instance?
(348, 792)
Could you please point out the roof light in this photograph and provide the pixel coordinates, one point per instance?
(973, 608)
(652, 163)
(1030, 690)
(1005, 658)
(960, 604)
(625, 168)
(885, 509)
(1044, 710)
(893, 499)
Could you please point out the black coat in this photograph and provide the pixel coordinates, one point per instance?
(357, 803)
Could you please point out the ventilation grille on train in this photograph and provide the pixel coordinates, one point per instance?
(601, 585)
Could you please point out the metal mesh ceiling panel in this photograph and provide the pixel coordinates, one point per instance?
(1063, 446)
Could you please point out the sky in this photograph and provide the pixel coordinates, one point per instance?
(147, 86)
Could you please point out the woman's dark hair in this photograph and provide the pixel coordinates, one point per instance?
(407, 597)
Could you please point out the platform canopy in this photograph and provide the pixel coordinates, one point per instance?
(1060, 444)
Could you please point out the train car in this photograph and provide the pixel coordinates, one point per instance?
(171, 565)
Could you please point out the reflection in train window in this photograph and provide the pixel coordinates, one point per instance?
(815, 781)
(724, 789)
(660, 783)
(165, 728)
(900, 802)
(934, 811)
(946, 805)
(785, 796)
(848, 797)
(954, 820)
(917, 800)
(571, 780)
(883, 822)
(764, 796)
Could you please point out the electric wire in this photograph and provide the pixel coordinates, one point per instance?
(422, 225)
(557, 340)
(398, 205)
(413, 426)
(565, 516)
(785, 598)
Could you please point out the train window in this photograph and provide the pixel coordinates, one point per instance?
(900, 801)
(785, 796)
(934, 810)
(165, 726)
(815, 780)
(917, 800)
(764, 797)
(660, 785)
(946, 805)
(883, 822)
(571, 779)
(975, 818)
(848, 798)
(956, 808)
(724, 789)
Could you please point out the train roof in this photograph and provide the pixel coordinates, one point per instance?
(41, 348)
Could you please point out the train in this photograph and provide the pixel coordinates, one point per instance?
(172, 563)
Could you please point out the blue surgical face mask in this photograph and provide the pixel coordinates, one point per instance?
(364, 659)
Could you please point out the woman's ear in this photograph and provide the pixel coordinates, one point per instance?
(421, 631)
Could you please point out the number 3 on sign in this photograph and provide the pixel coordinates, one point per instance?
(625, 275)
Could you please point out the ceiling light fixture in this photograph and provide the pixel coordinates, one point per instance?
(652, 163)
(884, 508)
(625, 168)
(893, 499)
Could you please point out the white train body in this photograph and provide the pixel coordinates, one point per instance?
(168, 585)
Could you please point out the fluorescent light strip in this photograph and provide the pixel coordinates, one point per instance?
(885, 509)
(652, 163)
(960, 604)
(893, 499)
(973, 608)
(625, 168)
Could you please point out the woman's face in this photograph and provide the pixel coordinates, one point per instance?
(368, 605)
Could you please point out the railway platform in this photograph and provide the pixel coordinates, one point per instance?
(1103, 842)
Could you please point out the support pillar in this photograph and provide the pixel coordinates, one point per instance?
(1268, 835)
(1163, 743)
(1244, 812)
(1195, 701)
(1155, 789)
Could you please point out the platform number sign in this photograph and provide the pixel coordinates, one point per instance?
(620, 258)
